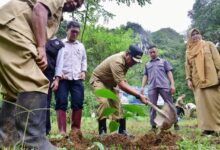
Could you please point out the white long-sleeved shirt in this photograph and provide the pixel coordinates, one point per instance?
(71, 60)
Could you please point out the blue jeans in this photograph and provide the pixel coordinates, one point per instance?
(76, 90)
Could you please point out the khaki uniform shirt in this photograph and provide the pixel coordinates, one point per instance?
(17, 16)
(212, 67)
(179, 102)
(111, 71)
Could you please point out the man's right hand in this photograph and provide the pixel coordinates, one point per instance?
(144, 99)
(55, 84)
(41, 59)
(189, 83)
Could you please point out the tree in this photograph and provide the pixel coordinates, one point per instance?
(171, 47)
(205, 16)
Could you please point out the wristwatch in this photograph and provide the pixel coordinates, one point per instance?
(138, 96)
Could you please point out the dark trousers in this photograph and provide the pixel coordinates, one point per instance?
(49, 96)
(76, 90)
(153, 96)
(180, 111)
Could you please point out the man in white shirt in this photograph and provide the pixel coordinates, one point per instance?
(70, 70)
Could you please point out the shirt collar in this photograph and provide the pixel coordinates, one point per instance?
(66, 41)
(158, 58)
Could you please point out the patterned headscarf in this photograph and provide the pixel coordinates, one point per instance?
(195, 51)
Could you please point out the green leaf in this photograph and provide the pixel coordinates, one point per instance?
(108, 111)
(135, 109)
(128, 114)
(113, 126)
(106, 94)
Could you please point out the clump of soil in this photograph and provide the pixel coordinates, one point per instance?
(150, 141)
(74, 140)
(154, 141)
(117, 140)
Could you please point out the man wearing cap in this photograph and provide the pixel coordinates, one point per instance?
(71, 70)
(25, 26)
(158, 73)
(109, 74)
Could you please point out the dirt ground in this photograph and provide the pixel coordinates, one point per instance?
(150, 141)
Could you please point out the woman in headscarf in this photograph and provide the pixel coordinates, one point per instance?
(202, 68)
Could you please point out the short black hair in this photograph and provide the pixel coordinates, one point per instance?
(152, 46)
(73, 23)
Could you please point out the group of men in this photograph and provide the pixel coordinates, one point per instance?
(25, 27)
(28, 73)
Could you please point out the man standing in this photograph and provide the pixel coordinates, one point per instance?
(109, 74)
(158, 73)
(52, 48)
(71, 69)
(25, 27)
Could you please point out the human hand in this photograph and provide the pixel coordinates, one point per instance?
(172, 89)
(82, 75)
(142, 90)
(189, 84)
(144, 99)
(41, 59)
(55, 84)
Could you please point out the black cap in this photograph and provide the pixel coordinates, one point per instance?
(73, 23)
(136, 53)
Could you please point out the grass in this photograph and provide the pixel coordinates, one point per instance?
(138, 126)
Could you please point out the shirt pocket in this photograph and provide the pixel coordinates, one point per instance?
(161, 67)
(149, 67)
(6, 19)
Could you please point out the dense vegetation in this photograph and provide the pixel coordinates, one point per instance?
(101, 42)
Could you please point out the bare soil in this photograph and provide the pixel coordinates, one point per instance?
(162, 141)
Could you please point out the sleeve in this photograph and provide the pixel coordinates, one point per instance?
(187, 69)
(215, 56)
(117, 71)
(168, 66)
(52, 5)
(84, 60)
(145, 70)
(59, 63)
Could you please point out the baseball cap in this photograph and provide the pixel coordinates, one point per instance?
(136, 53)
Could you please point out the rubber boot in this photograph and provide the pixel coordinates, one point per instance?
(76, 119)
(102, 127)
(122, 127)
(8, 133)
(31, 120)
(61, 121)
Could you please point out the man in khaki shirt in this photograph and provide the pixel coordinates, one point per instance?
(180, 106)
(109, 74)
(25, 26)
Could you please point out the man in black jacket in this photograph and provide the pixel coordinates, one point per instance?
(52, 48)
